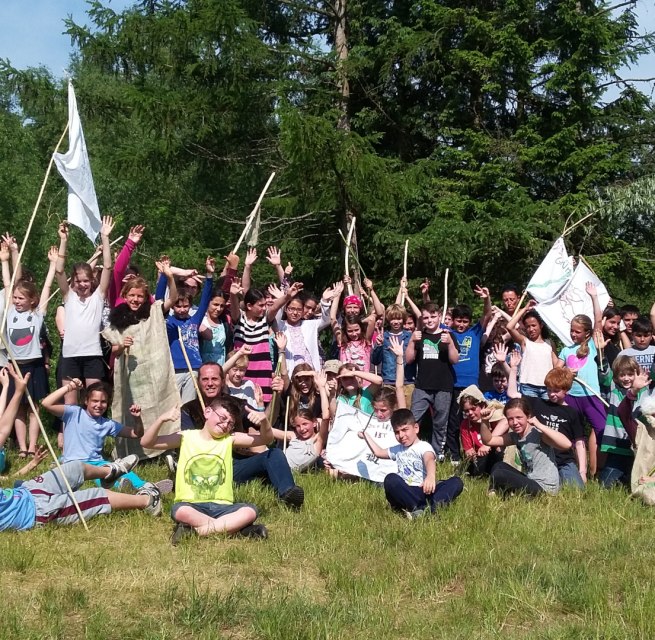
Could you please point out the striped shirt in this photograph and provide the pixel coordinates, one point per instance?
(260, 368)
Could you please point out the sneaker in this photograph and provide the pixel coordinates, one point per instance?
(165, 486)
(254, 531)
(294, 497)
(171, 463)
(441, 458)
(416, 514)
(181, 532)
(118, 468)
(154, 506)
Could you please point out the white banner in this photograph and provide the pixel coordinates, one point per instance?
(552, 275)
(349, 453)
(75, 169)
(572, 301)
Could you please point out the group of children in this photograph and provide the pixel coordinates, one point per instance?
(248, 367)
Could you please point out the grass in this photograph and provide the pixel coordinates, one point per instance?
(575, 566)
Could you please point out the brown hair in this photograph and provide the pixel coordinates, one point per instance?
(136, 283)
(28, 289)
(294, 391)
(519, 403)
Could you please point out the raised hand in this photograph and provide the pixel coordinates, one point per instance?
(321, 380)
(245, 349)
(232, 260)
(641, 381)
(591, 289)
(275, 291)
(136, 233)
(171, 415)
(164, 265)
(107, 226)
(10, 241)
(481, 292)
(295, 289)
(425, 286)
(500, 352)
(288, 270)
(396, 347)
(280, 340)
(368, 284)
(53, 254)
(251, 256)
(135, 410)
(514, 359)
(274, 256)
(4, 252)
(417, 335)
(62, 231)
(210, 265)
(235, 287)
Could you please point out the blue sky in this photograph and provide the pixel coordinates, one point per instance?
(31, 37)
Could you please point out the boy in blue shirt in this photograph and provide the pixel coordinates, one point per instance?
(467, 369)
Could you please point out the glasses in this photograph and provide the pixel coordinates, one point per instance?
(294, 309)
(223, 422)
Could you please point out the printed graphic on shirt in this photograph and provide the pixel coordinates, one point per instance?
(21, 331)
(464, 348)
(431, 349)
(205, 474)
(526, 459)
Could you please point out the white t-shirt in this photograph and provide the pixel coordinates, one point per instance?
(411, 467)
(23, 333)
(83, 324)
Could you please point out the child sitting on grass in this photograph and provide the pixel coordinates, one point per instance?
(307, 440)
(414, 488)
(204, 492)
(85, 428)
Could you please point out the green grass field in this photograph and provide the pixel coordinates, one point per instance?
(578, 565)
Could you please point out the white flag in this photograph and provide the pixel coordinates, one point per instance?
(553, 273)
(252, 237)
(349, 453)
(572, 301)
(75, 169)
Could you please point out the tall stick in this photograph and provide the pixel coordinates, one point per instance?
(250, 219)
(29, 226)
(188, 364)
(286, 425)
(575, 224)
(354, 256)
(445, 294)
(402, 298)
(519, 303)
(347, 256)
(586, 386)
(33, 407)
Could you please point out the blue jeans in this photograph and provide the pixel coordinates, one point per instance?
(617, 470)
(401, 496)
(569, 474)
(271, 466)
(534, 391)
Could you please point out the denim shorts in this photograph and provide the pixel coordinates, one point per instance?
(212, 509)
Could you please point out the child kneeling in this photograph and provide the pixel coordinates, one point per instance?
(204, 493)
(414, 488)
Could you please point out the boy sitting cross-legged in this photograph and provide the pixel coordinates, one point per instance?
(204, 495)
(414, 488)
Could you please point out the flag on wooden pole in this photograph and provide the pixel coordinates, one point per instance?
(75, 169)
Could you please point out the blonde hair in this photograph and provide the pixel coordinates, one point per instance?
(588, 327)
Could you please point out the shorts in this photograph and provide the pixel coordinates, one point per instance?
(82, 367)
(53, 502)
(212, 509)
(37, 385)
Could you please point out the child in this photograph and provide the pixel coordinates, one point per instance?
(307, 440)
(84, 304)
(435, 352)
(46, 499)
(215, 330)
(534, 442)
(24, 323)
(467, 367)
(204, 495)
(629, 313)
(538, 357)
(556, 414)
(85, 428)
(480, 457)
(181, 323)
(252, 326)
(235, 369)
(304, 393)
(387, 399)
(499, 379)
(643, 351)
(414, 488)
(143, 369)
(584, 395)
(630, 381)
(351, 390)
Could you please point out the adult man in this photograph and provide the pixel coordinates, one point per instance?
(270, 465)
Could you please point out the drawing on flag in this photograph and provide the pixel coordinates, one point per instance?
(75, 169)
(349, 453)
(553, 273)
(572, 300)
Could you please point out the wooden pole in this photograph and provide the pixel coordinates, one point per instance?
(188, 364)
(566, 231)
(29, 228)
(402, 299)
(286, 425)
(445, 295)
(354, 257)
(347, 256)
(519, 303)
(253, 213)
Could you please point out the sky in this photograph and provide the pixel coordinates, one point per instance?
(34, 37)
